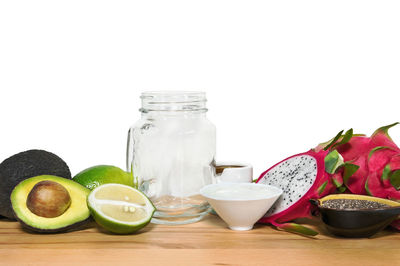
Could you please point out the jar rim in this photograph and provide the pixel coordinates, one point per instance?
(173, 101)
(173, 96)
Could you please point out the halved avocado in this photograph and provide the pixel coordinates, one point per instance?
(76, 215)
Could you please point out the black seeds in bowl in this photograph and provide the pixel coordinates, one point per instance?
(353, 204)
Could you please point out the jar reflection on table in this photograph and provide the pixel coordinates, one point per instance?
(171, 152)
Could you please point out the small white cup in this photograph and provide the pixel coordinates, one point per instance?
(234, 172)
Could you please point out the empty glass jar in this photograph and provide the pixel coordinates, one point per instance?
(171, 152)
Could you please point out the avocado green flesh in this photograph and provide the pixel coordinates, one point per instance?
(77, 213)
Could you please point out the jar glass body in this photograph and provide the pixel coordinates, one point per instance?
(171, 152)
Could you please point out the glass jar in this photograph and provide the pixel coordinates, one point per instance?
(170, 154)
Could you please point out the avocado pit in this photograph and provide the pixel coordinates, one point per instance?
(48, 199)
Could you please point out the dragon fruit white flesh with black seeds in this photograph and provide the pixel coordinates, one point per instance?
(295, 176)
(301, 177)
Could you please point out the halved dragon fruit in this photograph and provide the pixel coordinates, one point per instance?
(301, 177)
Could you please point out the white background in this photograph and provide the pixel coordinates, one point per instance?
(280, 76)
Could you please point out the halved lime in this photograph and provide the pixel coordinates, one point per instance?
(119, 208)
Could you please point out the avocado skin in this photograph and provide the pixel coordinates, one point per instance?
(69, 228)
(24, 165)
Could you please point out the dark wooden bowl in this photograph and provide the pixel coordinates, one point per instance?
(357, 223)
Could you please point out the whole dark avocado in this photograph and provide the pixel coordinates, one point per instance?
(24, 165)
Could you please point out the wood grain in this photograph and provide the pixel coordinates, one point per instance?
(208, 242)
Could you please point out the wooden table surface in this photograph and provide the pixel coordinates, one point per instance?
(208, 242)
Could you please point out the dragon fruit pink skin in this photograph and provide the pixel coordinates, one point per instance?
(352, 149)
(378, 185)
(356, 182)
(379, 157)
(381, 138)
(395, 162)
(373, 187)
(298, 206)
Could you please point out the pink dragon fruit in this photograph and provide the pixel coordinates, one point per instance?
(302, 177)
(364, 156)
(375, 163)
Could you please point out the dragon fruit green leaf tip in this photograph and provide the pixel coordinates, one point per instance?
(351, 163)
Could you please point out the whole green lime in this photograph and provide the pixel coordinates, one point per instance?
(103, 174)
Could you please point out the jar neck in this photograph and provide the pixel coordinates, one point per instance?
(156, 115)
(173, 103)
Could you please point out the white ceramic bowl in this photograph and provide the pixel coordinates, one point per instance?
(238, 209)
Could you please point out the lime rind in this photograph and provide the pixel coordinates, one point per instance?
(112, 224)
(103, 174)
